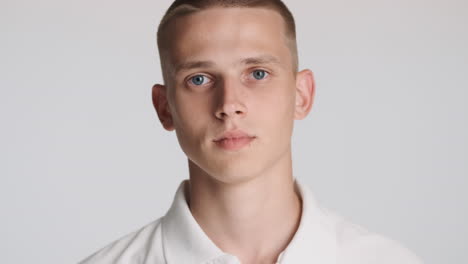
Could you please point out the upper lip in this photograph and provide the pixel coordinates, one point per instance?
(237, 133)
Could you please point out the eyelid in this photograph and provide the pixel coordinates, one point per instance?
(260, 69)
(189, 78)
(252, 70)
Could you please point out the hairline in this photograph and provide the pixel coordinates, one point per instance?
(188, 9)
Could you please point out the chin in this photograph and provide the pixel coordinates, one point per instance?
(231, 171)
(232, 175)
(232, 178)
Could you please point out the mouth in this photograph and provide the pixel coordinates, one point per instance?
(233, 140)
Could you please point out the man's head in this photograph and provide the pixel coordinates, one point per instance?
(180, 8)
(231, 89)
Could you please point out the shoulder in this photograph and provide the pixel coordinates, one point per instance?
(357, 245)
(141, 246)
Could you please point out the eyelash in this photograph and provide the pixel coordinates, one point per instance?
(189, 79)
(202, 75)
(262, 70)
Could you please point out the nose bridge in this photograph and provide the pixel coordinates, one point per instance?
(231, 98)
(230, 89)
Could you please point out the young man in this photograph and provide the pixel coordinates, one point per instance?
(232, 92)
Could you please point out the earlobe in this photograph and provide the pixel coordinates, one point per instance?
(161, 105)
(305, 92)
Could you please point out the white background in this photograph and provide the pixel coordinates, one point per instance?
(84, 160)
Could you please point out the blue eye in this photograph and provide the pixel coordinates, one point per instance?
(198, 80)
(259, 74)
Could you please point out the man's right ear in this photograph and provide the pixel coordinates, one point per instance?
(161, 105)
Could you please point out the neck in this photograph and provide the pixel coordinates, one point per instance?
(254, 219)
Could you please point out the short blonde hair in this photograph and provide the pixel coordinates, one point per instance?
(181, 8)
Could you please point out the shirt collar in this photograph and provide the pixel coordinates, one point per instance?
(183, 239)
(185, 242)
(315, 238)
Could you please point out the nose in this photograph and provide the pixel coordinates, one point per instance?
(231, 101)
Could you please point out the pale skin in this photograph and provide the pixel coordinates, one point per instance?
(230, 68)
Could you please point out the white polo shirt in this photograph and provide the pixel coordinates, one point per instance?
(322, 238)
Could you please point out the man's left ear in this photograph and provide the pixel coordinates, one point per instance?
(305, 92)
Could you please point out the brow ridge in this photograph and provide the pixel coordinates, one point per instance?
(262, 59)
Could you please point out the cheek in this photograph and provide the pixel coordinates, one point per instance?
(278, 103)
(187, 129)
(277, 115)
(189, 109)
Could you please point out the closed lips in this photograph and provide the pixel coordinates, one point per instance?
(231, 135)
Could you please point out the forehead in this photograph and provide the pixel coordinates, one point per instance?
(227, 35)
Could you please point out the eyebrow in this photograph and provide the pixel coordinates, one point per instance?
(193, 65)
(263, 59)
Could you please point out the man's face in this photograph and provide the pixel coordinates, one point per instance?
(231, 91)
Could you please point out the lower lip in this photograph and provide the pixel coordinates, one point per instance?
(234, 143)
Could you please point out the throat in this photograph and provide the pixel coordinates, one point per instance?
(256, 220)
